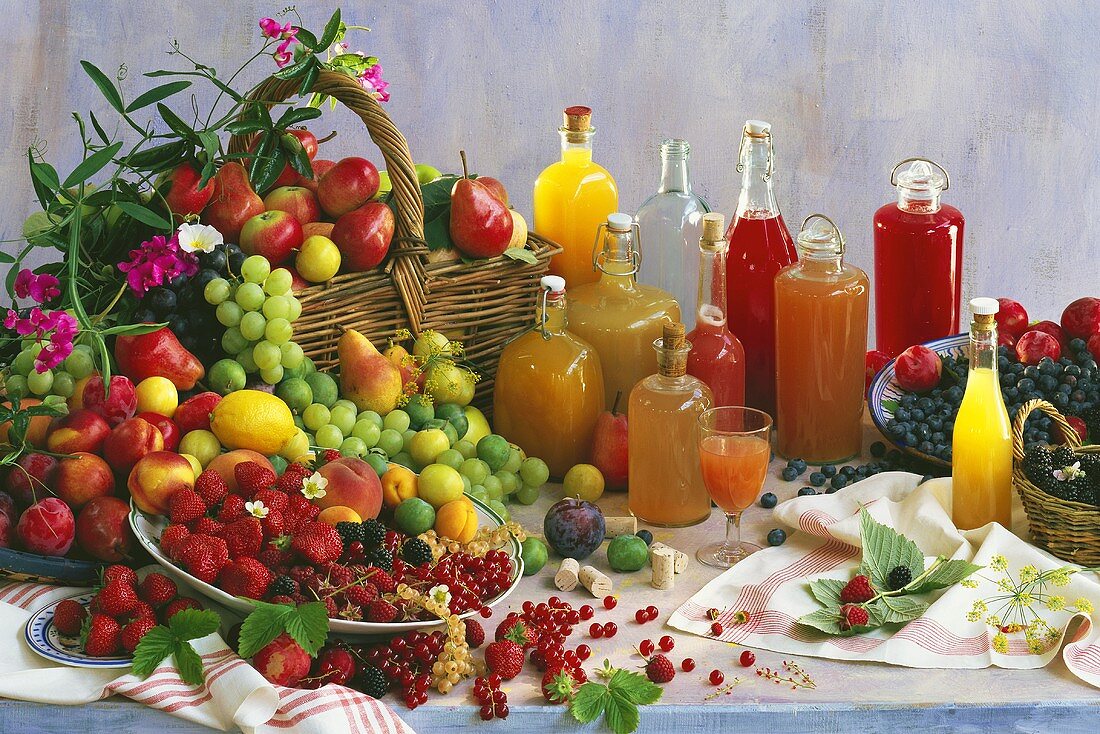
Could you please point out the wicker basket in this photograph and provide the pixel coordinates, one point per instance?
(1069, 530)
(482, 304)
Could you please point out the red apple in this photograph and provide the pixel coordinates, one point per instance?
(169, 431)
(47, 528)
(129, 442)
(918, 369)
(873, 363)
(1079, 427)
(363, 236)
(31, 478)
(308, 140)
(1034, 345)
(80, 430)
(1011, 317)
(295, 200)
(117, 406)
(103, 529)
(321, 166)
(193, 414)
(349, 184)
(609, 448)
(275, 235)
(182, 192)
(1049, 327)
(81, 478)
(1081, 319)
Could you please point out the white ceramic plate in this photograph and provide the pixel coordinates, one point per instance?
(45, 640)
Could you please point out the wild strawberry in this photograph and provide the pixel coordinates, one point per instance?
(518, 631)
(117, 598)
(381, 610)
(857, 591)
(560, 684)
(208, 526)
(852, 616)
(118, 572)
(101, 637)
(505, 658)
(134, 631)
(326, 456)
(659, 669)
(68, 617)
(171, 539)
(157, 589)
(185, 505)
(274, 525)
(318, 542)
(211, 487)
(232, 508)
(475, 634)
(244, 537)
(245, 577)
(178, 605)
(273, 499)
(251, 477)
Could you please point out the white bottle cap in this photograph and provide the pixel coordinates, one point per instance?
(984, 306)
(553, 283)
(619, 222)
(757, 127)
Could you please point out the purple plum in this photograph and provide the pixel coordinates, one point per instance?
(574, 528)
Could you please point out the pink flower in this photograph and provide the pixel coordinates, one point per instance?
(60, 326)
(156, 262)
(372, 81)
(270, 28)
(40, 288)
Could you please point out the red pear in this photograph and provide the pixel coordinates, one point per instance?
(363, 236)
(495, 186)
(233, 203)
(158, 354)
(481, 225)
(609, 447)
(183, 195)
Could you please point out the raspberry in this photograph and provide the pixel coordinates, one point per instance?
(133, 632)
(211, 487)
(380, 610)
(251, 477)
(243, 538)
(505, 658)
(157, 590)
(899, 577)
(172, 538)
(416, 551)
(318, 542)
(857, 591)
(382, 580)
(283, 586)
(118, 572)
(475, 634)
(274, 558)
(232, 508)
(102, 636)
(363, 594)
(852, 616)
(208, 526)
(273, 499)
(338, 575)
(659, 669)
(117, 598)
(68, 617)
(185, 505)
(245, 577)
(331, 609)
(178, 605)
(283, 599)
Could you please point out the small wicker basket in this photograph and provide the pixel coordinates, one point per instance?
(483, 304)
(1069, 530)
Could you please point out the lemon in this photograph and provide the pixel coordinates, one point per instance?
(251, 419)
(318, 259)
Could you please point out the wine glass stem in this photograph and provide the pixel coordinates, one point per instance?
(733, 520)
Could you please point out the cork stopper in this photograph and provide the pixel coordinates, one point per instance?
(672, 336)
(672, 350)
(984, 310)
(714, 232)
(578, 119)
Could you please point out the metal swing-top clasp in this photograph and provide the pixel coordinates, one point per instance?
(757, 129)
(806, 238)
(620, 224)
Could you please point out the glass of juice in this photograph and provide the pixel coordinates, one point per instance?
(734, 450)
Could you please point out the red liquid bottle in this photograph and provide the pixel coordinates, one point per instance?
(760, 246)
(918, 260)
(717, 357)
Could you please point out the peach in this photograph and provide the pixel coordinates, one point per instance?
(338, 513)
(158, 476)
(80, 431)
(129, 441)
(224, 464)
(81, 478)
(103, 529)
(352, 483)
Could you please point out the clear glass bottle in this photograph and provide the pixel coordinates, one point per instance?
(981, 443)
(572, 198)
(717, 357)
(666, 477)
(672, 222)
(549, 391)
(821, 308)
(760, 246)
(617, 315)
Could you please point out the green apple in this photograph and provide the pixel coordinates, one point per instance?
(384, 186)
(426, 174)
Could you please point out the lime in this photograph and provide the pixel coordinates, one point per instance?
(420, 410)
(402, 458)
(378, 463)
(367, 431)
(451, 458)
(455, 415)
(585, 482)
(296, 393)
(534, 555)
(226, 376)
(534, 472)
(509, 482)
(527, 495)
(467, 449)
(397, 420)
(476, 469)
(298, 370)
(478, 492)
(390, 441)
(414, 516)
(352, 446)
(494, 450)
(499, 508)
(627, 553)
(324, 388)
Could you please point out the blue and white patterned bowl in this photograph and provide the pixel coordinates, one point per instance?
(882, 398)
(45, 640)
(21, 566)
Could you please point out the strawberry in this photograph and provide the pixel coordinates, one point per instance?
(291, 480)
(117, 598)
(207, 526)
(659, 669)
(133, 632)
(298, 512)
(157, 590)
(244, 538)
(380, 610)
(857, 591)
(318, 542)
(363, 594)
(101, 636)
(178, 605)
(273, 499)
(245, 577)
(211, 487)
(852, 615)
(505, 658)
(118, 572)
(172, 538)
(515, 629)
(203, 556)
(143, 609)
(274, 525)
(232, 508)
(185, 505)
(560, 684)
(475, 634)
(251, 477)
(68, 617)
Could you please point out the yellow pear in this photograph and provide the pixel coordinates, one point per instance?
(519, 230)
(367, 378)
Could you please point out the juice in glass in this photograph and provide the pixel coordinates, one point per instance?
(549, 391)
(572, 197)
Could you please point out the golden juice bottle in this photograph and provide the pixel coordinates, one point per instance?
(617, 315)
(666, 477)
(821, 307)
(981, 445)
(572, 198)
(549, 390)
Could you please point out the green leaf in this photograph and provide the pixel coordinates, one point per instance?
(92, 165)
(328, 36)
(589, 702)
(6, 258)
(294, 70)
(157, 156)
(634, 687)
(156, 94)
(883, 549)
(522, 254)
(99, 129)
(157, 644)
(191, 624)
(106, 86)
(144, 215)
(308, 625)
(296, 116)
(945, 574)
(261, 626)
(188, 663)
(210, 143)
(296, 153)
(827, 591)
(309, 40)
(179, 127)
(826, 620)
(244, 127)
(268, 169)
(44, 180)
(890, 405)
(308, 79)
(897, 609)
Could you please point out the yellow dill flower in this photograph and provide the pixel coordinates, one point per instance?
(993, 621)
(1000, 643)
(1035, 647)
(1006, 585)
(979, 607)
(1056, 603)
(998, 563)
(1060, 576)
(1083, 605)
(969, 583)
(973, 616)
(1023, 599)
(1028, 574)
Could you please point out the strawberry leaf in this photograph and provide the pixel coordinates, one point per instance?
(157, 644)
(188, 663)
(589, 702)
(308, 625)
(191, 624)
(261, 626)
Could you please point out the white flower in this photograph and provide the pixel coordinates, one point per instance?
(256, 509)
(441, 594)
(313, 487)
(198, 237)
(1069, 473)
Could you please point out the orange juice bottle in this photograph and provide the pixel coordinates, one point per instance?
(617, 315)
(572, 198)
(666, 479)
(549, 391)
(821, 307)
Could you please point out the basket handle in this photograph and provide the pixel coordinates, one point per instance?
(1068, 432)
(406, 267)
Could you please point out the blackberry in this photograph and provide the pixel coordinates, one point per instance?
(373, 682)
(899, 577)
(350, 531)
(645, 535)
(374, 532)
(283, 586)
(1062, 456)
(382, 558)
(415, 552)
(1038, 466)
(1081, 490)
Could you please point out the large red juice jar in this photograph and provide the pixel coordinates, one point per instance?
(918, 260)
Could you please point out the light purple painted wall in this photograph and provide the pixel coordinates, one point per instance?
(1003, 94)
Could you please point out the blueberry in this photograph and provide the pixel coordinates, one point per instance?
(645, 535)
(878, 449)
(839, 482)
(829, 470)
(817, 479)
(161, 300)
(902, 414)
(918, 414)
(789, 474)
(798, 465)
(848, 471)
(768, 500)
(806, 491)
(911, 439)
(778, 536)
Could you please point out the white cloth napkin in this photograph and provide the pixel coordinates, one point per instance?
(234, 694)
(771, 585)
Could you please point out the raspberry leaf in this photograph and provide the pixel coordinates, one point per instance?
(896, 609)
(827, 591)
(883, 549)
(826, 620)
(157, 644)
(946, 573)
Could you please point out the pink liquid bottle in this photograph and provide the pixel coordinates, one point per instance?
(918, 260)
(760, 246)
(717, 357)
